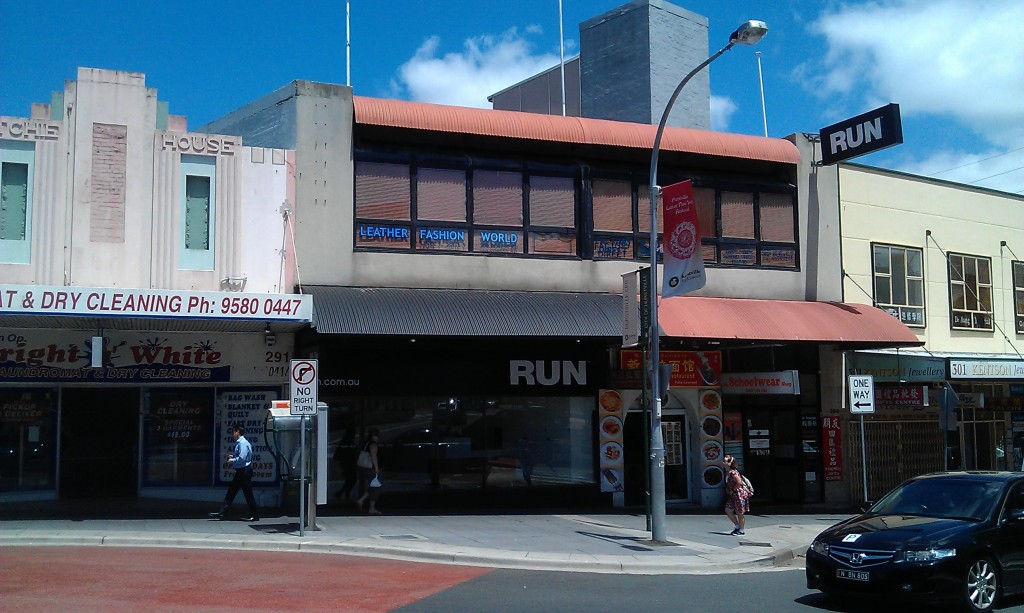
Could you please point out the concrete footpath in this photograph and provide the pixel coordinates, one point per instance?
(588, 542)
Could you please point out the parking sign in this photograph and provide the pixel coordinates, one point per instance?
(303, 376)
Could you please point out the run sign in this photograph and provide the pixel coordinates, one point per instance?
(862, 394)
(303, 376)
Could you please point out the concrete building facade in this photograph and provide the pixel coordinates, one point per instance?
(145, 271)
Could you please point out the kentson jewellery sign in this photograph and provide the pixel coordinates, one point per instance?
(985, 369)
(126, 302)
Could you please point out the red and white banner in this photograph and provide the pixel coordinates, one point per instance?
(684, 262)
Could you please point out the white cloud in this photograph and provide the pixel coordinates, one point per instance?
(961, 60)
(994, 169)
(722, 109)
(953, 66)
(485, 65)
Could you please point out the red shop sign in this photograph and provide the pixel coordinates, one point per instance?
(689, 368)
(832, 440)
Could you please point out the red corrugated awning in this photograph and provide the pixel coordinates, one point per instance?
(573, 130)
(838, 323)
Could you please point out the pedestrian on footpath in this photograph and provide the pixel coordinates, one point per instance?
(369, 471)
(345, 455)
(241, 460)
(737, 501)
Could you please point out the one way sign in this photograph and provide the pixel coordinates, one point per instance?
(862, 394)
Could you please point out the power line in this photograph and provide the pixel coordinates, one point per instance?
(997, 174)
(976, 162)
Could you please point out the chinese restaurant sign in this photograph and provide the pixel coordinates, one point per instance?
(689, 368)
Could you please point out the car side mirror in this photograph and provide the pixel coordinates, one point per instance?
(867, 505)
(1015, 515)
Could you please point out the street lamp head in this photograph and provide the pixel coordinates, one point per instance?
(749, 33)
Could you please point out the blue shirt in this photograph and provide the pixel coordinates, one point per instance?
(242, 454)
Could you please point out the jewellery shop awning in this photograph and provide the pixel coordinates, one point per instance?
(464, 312)
(737, 319)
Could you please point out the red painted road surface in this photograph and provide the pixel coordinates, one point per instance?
(140, 579)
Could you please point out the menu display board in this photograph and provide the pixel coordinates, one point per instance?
(611, 416)
(711, 429)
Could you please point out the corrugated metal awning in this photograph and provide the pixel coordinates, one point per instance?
(571, 130)
(727, 319)
(463, 312)
(161, 324)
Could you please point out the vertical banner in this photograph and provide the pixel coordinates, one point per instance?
(684, 262)
(630, 310)
(832, 440)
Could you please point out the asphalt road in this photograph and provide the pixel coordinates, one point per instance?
(199, 580)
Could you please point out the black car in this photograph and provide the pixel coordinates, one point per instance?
(938, 537)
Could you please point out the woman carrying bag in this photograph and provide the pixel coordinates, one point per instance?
(369, 471)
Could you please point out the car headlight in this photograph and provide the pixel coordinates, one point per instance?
(819, 548)
(929, 555)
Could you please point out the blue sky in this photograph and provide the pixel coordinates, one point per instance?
(953, 66)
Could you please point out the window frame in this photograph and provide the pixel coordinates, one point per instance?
(1017, 278)
(524, 234)
(198, 166)
(716, 242)
(902, 312)
(19, 152)
(974, 314)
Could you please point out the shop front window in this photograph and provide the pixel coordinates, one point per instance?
(178, 437)
(27, 442)
(473, 442)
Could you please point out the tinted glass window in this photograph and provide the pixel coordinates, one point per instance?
(949, 498)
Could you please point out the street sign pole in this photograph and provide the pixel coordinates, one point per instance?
(304, 386)
(302, 475)
(864, 457)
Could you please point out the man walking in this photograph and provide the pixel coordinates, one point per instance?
(241, 460)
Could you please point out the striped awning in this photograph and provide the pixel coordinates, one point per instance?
(464, 312)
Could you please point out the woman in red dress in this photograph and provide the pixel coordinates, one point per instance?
(737, 503)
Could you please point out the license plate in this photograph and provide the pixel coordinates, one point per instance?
(856, 575)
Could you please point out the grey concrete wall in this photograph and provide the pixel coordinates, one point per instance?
(632, 59)
(820, 230)
(542, 93)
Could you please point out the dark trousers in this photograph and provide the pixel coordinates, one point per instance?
(242, 480)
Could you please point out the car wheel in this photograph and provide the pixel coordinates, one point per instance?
(981, 585)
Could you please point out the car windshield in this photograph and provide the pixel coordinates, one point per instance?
(944, 498)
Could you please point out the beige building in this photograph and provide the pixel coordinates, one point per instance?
(947, 260)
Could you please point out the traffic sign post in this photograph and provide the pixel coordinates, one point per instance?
(303, 376)
(862, 400)
(862, 394)
(304, 387)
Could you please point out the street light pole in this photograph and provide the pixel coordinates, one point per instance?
(747, 34)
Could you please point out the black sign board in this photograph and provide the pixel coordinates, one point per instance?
(862, 134)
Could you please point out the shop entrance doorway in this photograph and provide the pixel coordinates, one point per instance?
(677, 481)
(99, 432)
(772, 454)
